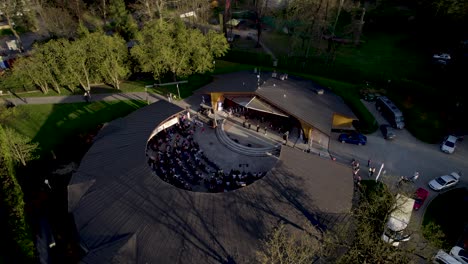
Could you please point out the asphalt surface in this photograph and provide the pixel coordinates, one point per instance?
(403, 156)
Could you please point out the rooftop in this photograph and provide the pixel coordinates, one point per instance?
(295, 96)
(125, 213)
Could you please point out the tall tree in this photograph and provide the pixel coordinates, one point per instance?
(58, 21)
(147, 10)
(32, 69)
(16, 12)
(122, 20)
(154, 42)
(12, 203)
(356, 240)
(113, 65)
(173, 47)
(20, 147)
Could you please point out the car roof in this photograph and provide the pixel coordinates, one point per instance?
(422, 193)
(452, 138)
(451, 176)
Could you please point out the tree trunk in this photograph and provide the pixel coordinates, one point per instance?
(337, 17)
(357, 38)
(15, 33)
(104, 13)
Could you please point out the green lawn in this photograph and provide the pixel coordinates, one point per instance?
(450, 211)
(384, 57)
(51, 125)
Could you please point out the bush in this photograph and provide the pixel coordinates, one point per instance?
(367, 122)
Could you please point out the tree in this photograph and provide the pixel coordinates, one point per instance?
(147, 10)
(172, 47)
(113, 66)
(20, 147)
(58, 21)
(355, 240)
(15, 13)
(286, 247)
(154, 42)
(122, 20)
(12, 202)
(31, 68)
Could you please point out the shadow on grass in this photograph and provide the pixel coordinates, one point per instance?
(449, 210)
(67, 129)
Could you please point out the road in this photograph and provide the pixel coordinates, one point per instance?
(404, 155)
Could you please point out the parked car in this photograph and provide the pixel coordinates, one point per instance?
(419, 197)
(442, 56)
(444, 258)
(460, 254)
(387, 131)
(445, 181)
(448, 145)
(353, 138)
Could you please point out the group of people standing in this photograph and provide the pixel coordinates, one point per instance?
(356, 168)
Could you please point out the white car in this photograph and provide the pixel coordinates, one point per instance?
(443, 258)
(460, 254)
(444, 181)
(443, 56)
(448, 145)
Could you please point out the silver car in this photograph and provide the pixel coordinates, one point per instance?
(445, 181)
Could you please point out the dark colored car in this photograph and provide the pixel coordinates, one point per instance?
(419, 197)
(387, 131)
(353, 138)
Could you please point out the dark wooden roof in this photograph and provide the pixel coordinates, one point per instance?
(126, 214)
(295, 96)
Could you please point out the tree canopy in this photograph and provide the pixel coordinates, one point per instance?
(94, 57)
(172, 47)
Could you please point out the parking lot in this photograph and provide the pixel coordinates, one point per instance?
(404, 155)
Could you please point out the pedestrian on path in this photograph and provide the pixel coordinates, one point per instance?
(258, 128)
(87, 96)
(265, 131)
(369, 162)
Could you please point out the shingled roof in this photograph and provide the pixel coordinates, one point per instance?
(295, 96)
(126, 214)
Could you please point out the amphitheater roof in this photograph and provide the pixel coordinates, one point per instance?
(126, 214)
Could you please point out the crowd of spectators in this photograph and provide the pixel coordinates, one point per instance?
(177, 159)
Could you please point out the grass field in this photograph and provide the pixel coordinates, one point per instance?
(51, 125)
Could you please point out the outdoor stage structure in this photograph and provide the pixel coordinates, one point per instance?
(317, 109)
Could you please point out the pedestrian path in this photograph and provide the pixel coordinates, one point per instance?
(67, 99)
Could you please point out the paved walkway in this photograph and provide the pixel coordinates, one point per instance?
(151, 97)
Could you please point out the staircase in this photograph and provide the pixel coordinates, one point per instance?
(244, 150)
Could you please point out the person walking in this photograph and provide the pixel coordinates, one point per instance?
(369, 162)
(258, 128)
(265, 130)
